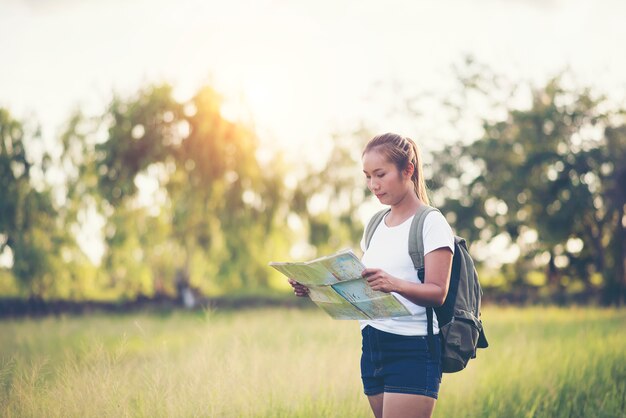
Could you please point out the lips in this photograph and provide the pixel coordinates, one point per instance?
(380, 195)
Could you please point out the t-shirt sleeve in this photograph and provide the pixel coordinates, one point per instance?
(437, 233)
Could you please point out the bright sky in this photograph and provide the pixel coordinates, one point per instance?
(304, 68)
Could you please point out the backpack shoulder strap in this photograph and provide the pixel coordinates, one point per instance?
(416, 251)
(373, 223)
(416, 242)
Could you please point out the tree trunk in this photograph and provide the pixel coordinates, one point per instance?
(554, 279)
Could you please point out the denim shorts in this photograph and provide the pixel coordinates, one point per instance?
(399, 364)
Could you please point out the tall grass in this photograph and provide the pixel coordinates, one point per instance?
(543, 362)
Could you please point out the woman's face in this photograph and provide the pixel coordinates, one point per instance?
(384, 180)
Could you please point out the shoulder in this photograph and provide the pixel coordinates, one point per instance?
(435, 218)
(437, 232)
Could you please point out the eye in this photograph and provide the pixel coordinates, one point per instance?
(381, 175)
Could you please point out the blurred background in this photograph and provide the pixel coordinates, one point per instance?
(158, 150)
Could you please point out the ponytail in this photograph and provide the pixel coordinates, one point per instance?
(419, 184)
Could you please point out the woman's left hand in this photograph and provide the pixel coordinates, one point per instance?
(380, 280)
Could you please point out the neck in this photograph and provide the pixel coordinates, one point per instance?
(404, 208)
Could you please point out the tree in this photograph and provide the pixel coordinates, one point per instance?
(217, 211)
(546, 178)
(29, 225)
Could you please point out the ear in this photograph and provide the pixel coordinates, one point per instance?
(408, 170)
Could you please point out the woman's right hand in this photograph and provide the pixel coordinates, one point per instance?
(298, 289)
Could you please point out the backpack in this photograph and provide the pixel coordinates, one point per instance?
(460, 327)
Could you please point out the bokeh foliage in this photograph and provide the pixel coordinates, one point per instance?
(184, 197)
(549, 178)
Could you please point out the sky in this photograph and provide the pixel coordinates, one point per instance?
(300, 70)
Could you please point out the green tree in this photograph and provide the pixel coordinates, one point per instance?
(29, 223)
(141, 133)
(224, 203)
(217, 219)
(548, 171)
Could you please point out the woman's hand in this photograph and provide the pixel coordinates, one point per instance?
(298, 289)
(380, 280)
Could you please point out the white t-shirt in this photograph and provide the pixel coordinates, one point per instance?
(389, 251)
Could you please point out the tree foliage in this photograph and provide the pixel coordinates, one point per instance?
(549, 178)
(32, 228)
(182, 196)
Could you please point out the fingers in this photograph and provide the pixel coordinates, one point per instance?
(379, 286)
(301, 291)
(373, 282)
(298, 289)
(294, 283)
(369, 272)
(372, 276)
(380, 281)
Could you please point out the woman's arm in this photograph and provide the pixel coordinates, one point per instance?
(437, 267)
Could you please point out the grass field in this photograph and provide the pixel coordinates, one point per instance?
(543, 362)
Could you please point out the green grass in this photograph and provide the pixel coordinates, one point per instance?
(543, 362)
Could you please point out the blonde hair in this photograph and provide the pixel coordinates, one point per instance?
(401, 151)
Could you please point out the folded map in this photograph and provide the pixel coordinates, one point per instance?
(336, 285)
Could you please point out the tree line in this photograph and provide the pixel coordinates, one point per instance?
(185, 200)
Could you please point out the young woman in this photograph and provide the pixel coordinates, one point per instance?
(401, 376)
